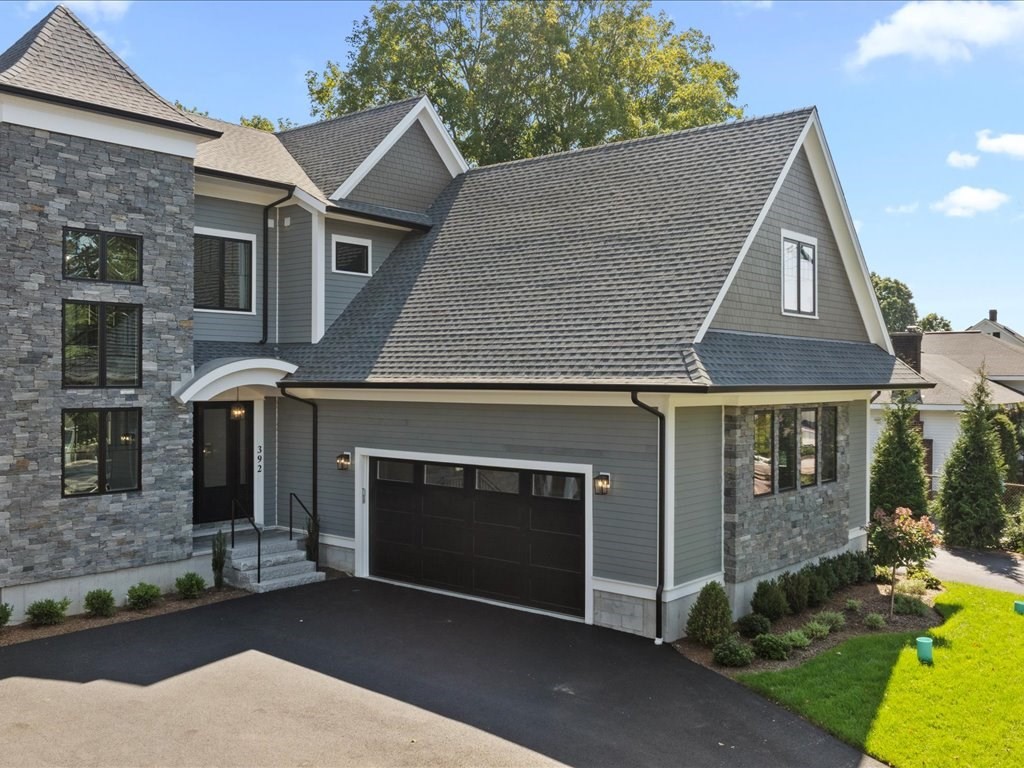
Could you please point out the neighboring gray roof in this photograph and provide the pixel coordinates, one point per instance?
(331, 150)
(204, 352)
(1007, 333)
(973, 349)
(61, 59)
(594, 267)
(953, 383)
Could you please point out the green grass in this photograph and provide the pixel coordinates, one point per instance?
(965, 710)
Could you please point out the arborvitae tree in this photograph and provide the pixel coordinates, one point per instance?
(897, 473)
(1009, 444)
(971, 498)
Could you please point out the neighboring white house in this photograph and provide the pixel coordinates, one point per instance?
(993, 327)
(952, 359)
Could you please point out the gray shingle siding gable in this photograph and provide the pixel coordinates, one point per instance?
(295, 275)
(339, 288)
(410, 176)
(698, 465)
(622, 441)
(233, 216)
(754, 301)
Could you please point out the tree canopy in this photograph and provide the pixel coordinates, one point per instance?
(265, 123)
(521, 79)
(896, 302)
(934, 322)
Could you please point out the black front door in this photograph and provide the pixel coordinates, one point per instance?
(223, 461)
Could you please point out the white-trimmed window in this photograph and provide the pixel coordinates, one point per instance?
(224, 271)
(799, 274)
(351, 255)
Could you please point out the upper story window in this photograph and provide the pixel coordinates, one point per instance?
(351, 255)
(104, 256)
(799, 274)
(101, 451)
(102, 344)
(224, 271)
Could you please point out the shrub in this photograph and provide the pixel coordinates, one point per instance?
(312, 538)
(43, 613)
(817, 588)
(826, 570)
(882, 575)
(771, 647)
(898, 539)
(833, 619)
(796, 639)
(142, 596)
(931, 581)
(732, 652)
(865, 568)
(853, 605)
(911, 587)
(100, 602)
(909, 606)
(190, 585)
(816, 630)
(847, 569)
(795, 586)
(218, 558)
(874, 621)
(754, 624)
(5, 613)
(710, 619)
(769, 600)
(897, 471)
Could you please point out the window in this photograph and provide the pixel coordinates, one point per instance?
(497, 480)
(102, 344)
(395, 471)
(101, 451)
(351, 255)
(223, 273)
(808, 447)
(94, 255)
(799, 276)
(829, 452)
(764, 453)
(803, 449)
(444, 475)
(787, 449)
(557, 487)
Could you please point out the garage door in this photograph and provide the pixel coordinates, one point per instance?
(517, 536)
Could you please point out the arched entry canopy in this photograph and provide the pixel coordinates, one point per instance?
(226, 373)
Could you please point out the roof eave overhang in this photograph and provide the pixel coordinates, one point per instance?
(243, 178)
(495, 386)
(821, 387)
(381, 218)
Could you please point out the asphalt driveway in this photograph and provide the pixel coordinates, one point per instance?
(357, 672)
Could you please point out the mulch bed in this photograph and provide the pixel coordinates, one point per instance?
(875, 599)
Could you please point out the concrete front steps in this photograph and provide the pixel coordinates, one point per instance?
(284, 563)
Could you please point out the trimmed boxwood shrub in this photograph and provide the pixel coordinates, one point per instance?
(769, 600)
(732, 652)
(190, 585)
(754, 624)
(796, 586)
(100, 602)
(817, 588)
(142, 596)
(5, 613)
(710, 619)
(771, 647)
(46, 612)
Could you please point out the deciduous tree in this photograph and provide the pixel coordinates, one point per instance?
(265, 123)
(934, 322)
(896, 302)
(898, 540)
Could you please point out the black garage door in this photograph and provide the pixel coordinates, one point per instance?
(512, 535)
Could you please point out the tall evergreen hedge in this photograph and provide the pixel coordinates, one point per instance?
(897, 472)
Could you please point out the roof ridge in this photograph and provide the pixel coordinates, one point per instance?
(608, 145)
(416, 98)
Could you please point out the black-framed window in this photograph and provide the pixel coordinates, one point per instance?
(829, 443)
(352, 256)
(808, 447)
(111, 257)
(799, 280)
(764, 452)
(795, 448)
(223, 273)
(101, 452)
(102, 344)
(787, 449)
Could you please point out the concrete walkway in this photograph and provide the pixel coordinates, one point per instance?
(995, 570)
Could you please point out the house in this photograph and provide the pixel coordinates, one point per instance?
(993, 327)
(585, 384)
(952, 359)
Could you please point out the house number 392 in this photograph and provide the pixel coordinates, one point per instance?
(259, 459)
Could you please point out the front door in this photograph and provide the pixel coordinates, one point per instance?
(223, 462)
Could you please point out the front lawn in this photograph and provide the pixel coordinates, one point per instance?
(966, 710)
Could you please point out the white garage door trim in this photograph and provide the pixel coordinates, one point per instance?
(361, 461)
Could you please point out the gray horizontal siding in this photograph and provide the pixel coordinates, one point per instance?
(698, 534)
(621, 441)
(340, 289)
(410, 176)
(295, 275)
(232, 216)
(754, 301)
(857, 458)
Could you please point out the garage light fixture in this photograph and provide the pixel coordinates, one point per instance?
(602, 484)
(344, 460)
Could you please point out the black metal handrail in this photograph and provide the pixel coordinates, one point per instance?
(259, 536)
(292, 498)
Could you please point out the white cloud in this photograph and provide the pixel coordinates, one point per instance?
(91, 10)
(961, 159)
(941, 31)
(967, 201)
(901, 209)
(1006, 143)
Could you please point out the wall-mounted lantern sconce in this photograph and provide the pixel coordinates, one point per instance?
(127, 438)
(602, 484)
(344, 460)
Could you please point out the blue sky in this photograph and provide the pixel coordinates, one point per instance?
(921, 104)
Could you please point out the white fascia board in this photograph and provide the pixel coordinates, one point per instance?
(365, 222)
(319, 277)
(423, 112)
(238, 373)
(238, 191)
(57, 118)
(751, 236)
(308, 202)
(879, 407)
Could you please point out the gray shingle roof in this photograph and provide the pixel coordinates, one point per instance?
(61, 59)
(593, 267)
(331, 150)
(974, 349)
(204, 352)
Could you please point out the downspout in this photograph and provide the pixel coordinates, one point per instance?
(266, 261)
(316, 455)
(658, 592)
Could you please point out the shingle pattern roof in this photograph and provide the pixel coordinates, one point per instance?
(60, 57)
(398, 214)
(207, 351)
(974, 349)
(592, 267)
(330, 151)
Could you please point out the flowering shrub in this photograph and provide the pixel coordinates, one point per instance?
(898, 539)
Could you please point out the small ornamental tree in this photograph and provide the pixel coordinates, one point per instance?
(970, 503)
(897, 472)
(899, 540)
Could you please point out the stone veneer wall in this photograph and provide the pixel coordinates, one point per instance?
(47, 181)
(771, 532)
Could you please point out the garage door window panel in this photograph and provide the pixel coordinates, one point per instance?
(396, 471)
(497, 480)
(557, 486)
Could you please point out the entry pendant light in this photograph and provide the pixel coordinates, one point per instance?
(237, 409)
